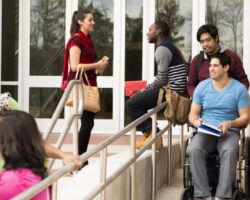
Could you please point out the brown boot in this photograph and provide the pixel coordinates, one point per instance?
(146, 139)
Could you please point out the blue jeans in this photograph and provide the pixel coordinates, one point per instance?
(139, 104)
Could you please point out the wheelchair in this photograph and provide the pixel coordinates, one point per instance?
(241, 186)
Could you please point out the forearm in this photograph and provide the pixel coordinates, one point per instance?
(239, 122)
(52, 152)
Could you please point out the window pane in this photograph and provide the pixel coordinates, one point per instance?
(228, 17)
(133, 45)
(47, 29)
(106, 96)
(43, 101)
(102, 36)
(178, 15)
(10, 24)
(133, 56)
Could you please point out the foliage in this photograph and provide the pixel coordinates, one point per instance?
(169, 14)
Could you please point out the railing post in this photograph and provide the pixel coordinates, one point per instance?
(54, 190)
(132, 167)
(169, 156)
(75, 122)
(154, 118)
(181, 146)
(103, 172)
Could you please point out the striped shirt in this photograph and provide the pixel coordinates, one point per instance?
(170, 68)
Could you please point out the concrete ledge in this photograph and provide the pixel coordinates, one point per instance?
(88, 178)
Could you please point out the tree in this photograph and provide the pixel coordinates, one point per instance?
(228, 17)
(169, 14)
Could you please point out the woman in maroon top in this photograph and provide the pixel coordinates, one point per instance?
(80, 52)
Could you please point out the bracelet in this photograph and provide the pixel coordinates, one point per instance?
(230, 124)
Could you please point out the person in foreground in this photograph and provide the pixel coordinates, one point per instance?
(208, 37)
(170, 68)
(223, 102)
(22, 148)
(80, 53)
(7, 104)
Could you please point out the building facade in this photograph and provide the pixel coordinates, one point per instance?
(33, 34)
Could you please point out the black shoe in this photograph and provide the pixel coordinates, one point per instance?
(84, 164)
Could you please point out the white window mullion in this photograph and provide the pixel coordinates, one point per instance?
(147, 49)
(24, 53)
(246, 42)
(119, 63)
(198, 19)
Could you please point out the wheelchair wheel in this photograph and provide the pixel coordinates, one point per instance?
(187, 177)
(247, 167)
(187, 194)
(238, 195)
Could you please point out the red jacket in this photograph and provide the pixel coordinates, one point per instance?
(236, 70)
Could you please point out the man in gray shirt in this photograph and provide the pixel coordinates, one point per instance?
(171, 68)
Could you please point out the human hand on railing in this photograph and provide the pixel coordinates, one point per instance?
(68, 157)
(102, 64)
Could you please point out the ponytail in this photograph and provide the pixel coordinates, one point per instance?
(77, 15)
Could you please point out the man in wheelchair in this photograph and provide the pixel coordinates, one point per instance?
(223, 102)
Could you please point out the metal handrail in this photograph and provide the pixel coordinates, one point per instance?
(31, 192)
(61, 105)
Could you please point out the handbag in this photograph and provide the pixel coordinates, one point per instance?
(178, 107)
(91, 95)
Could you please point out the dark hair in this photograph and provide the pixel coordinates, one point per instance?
(223, 58)
(21, 144)
(165, 31)
(77, 15)
(208, 28)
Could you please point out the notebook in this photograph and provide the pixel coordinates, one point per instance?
(132, 86)
(209, 129)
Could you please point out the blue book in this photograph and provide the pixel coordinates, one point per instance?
(209, 129)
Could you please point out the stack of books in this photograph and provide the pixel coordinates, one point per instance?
(209, 129)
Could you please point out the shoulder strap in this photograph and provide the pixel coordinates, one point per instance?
(200, 61)
(198, 65)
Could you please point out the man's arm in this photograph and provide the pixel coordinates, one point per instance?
(241, 121)
(163, 58)
(237, 69)
(192, 76)
(194, 115)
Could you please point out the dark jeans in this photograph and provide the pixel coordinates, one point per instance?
(87, 123)
(139, 104)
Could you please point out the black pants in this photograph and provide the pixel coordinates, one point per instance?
(139, 104)
(87, 123)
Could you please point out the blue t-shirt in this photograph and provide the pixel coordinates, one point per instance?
(217, 107)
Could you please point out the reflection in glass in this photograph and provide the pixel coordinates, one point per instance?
(13, 90)
(47, 29)
(133, 56)
(102, 35)
(10, 25)
(178, 15)
(43, 101)
(133, 45)
(106, 96)
(228, 17)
